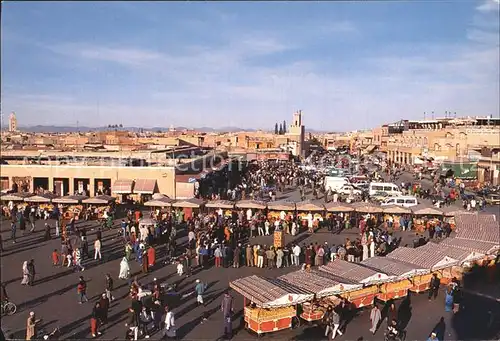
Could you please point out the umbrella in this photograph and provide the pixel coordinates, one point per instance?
(16, 196)
(42, 198)
(394, 209)
(338, 207)
(192, 203)
(220, 204)
(99, 200)
(309, 206)
(281, 205)
(160, 202)
(426, 210)
(251, 204)
(70, 199)
(365, 207)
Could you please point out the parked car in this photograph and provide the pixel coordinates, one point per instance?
(349, 189)
(492, 199)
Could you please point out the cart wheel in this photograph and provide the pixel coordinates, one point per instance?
(260, 335)
(295, 322)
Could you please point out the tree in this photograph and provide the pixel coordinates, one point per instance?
(284, 127)
(276, 131)
(280, 131)
(121, 125)
(109, 125)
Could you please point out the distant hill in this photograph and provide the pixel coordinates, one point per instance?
(84, 129)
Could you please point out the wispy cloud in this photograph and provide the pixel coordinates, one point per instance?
(489, 6)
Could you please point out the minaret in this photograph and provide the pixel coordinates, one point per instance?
(12, 122)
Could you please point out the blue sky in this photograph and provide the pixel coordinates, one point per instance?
(346, 65)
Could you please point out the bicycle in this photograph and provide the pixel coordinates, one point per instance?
(8, 308)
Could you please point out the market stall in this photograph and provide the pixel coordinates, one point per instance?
(189, 206)
(322, 284)
(353, 273)
(72, 205)
(424, 216)
(450, 212)
(225, 205)
(279, 209)
(489, 250)
(310, 210)
(393, 213)
(44, 201)
(272, 302)
(98, 205)
(160, 202)
(401, 274)
(428, 257)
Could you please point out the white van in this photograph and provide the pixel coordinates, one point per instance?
(387, 188)
(400, 201)
(335, 183)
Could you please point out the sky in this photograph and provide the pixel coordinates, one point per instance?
(346, 65)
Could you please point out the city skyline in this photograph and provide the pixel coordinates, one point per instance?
(346, 65)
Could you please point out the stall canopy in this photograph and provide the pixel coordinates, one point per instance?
(354, 272)
(317, 282)
(41, 198)
(226, 204)
(423, 209)
(338, 207)
(70, 199)
(365, 207)
(393, 209)
(123, 186)
(159, 202)
(479, 227)
(260, 205)
(99, 200)
(281, 205)
(426, 257)
(310, 206)
(189, 203)
(472, 245)
(145, 186)
(393, 267)
(270, 293)
(21, 196)
(451, 211)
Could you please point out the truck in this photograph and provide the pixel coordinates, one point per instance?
(335, 183)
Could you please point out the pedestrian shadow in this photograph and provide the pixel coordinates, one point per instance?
(187, 327)
(405, 312)
(440, 329)
(55, 276)
(41, 299)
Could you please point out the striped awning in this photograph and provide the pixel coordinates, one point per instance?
(354, 272)
(268, 293)
(123, 186)
(480, 227)
(392, 267)
(145, 186)
(429, 256)
(472, 245)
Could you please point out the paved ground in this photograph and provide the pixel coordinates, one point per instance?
(54, 297)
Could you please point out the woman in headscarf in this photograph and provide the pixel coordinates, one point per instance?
(124, 269)
(25, 280)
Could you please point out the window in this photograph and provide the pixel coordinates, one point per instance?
(378, 188)
(390, 201)
(387, 188)
(400, 201)
(410, 201)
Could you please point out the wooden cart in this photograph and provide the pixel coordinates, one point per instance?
(421, 283)
(394, 290)
(362, 297)
(260, 320)
(312, 312)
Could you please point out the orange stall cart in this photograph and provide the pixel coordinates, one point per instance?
(270, 304)
(280, 209)
(225, 205)
(401, 274)
(353, 273)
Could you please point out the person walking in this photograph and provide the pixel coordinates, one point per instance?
(434, 287)
(31, 326)
(31, 272)
(94, 320)
(335, 324)
(109, 287)
(13, 230)
(200, 290)
(227, 312)
(132, 324)
(375, 317)
(97, 249)
(81, 289)
(170, 331)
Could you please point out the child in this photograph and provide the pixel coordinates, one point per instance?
(180, 268)
(55, 258)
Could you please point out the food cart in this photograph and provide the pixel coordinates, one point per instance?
(393, 213)
(276, 207)
(433, 214)
(189, 206)
(315, 208)
(353, 273)
(251, 204)
(225, 205)
(322, 284)
(44, 201)
(364, 208)
(72, 206)
(272, 305)
(488, 250)
(401, 274)
(17, 198)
